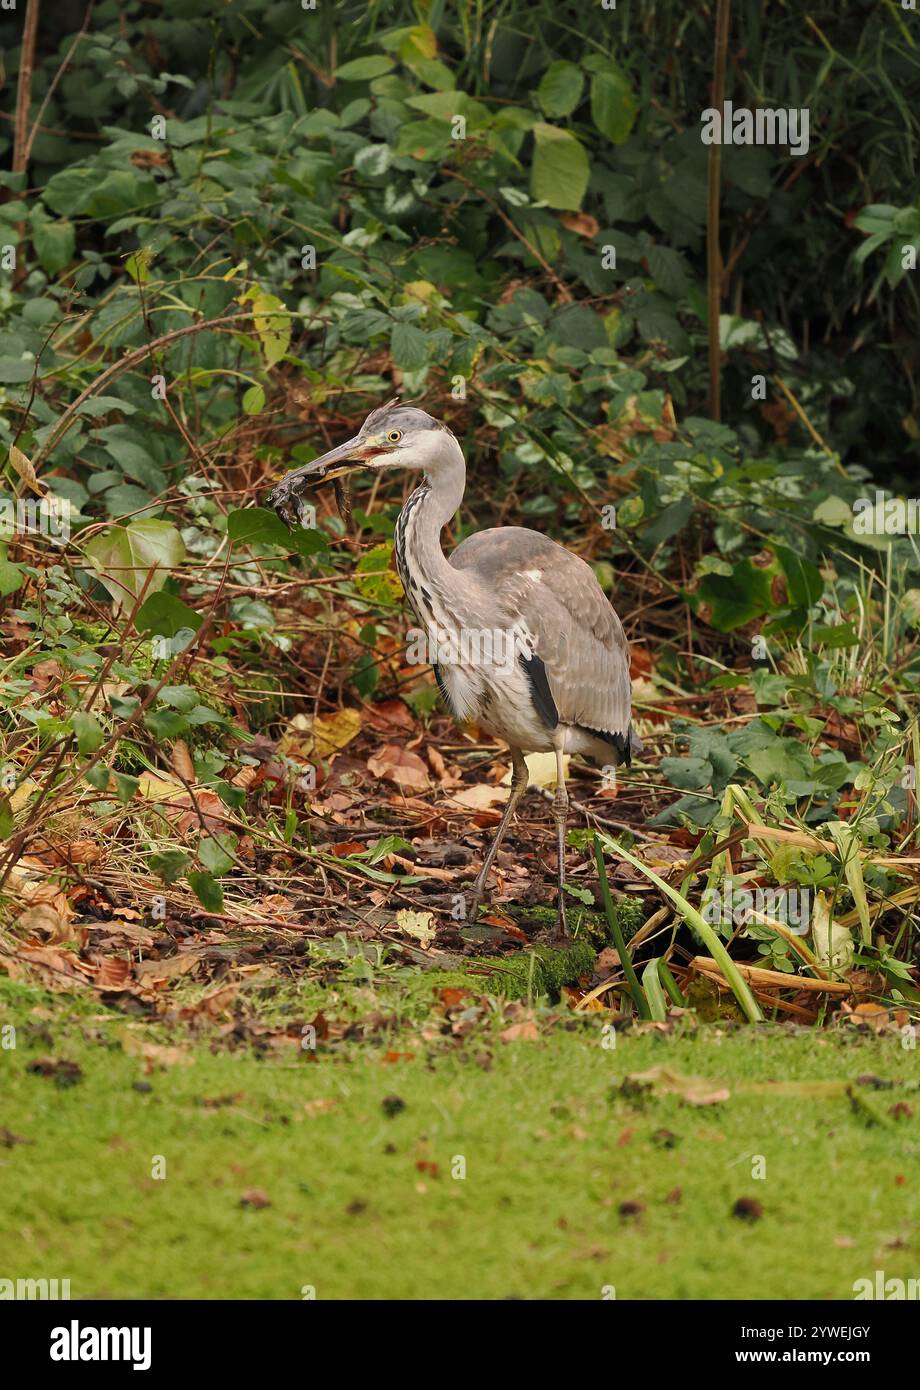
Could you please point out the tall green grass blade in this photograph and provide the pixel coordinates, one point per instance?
(671, 986)
(651, 984)
(696, 923)
(848, 848)
(632, 979)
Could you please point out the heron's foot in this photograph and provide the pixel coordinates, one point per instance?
(474, 901)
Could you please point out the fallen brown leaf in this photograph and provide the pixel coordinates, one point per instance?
(48, 921)
(213, 1004)
(155, 1056)
(392, 715)
(482, 797)
(113, 973)
(321, 1106)
(526, 1031)
(582, 223)
(180, 760)
(149, 971)
(60, 970)
(43, 673)
(693, 1090)
(396, 764)
(254, 1197)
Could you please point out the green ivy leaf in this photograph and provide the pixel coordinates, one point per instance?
(783, 760)
(166, 615)
(11, 575)
(835, 635)
(732, 601)
(272, 323)
(409, 347)
(231, 796)
(121, 191)
(833, 511)
(687, 774)
(802, 576)
(374, 578)
(69, 190)
(181, 697)
(769, 688)
(248, 525)
(373, 160)
(123, 706)
(15, 370)
(125, 787)
(165, 723)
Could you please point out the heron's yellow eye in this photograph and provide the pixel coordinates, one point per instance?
(394, 436)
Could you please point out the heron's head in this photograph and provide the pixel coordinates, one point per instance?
(392, 436)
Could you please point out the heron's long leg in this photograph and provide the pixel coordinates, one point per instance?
(560, 811)
(519, 777)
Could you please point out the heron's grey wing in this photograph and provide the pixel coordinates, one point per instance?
(577, 635)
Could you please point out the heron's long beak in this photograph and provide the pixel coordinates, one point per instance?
(354, 453)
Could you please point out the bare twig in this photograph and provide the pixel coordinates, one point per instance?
(21, 141)
(713, 253)
(124, 364)
(52, 85)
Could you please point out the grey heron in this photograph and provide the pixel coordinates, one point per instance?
(522, 638)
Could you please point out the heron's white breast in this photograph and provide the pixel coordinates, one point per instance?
(499, 700)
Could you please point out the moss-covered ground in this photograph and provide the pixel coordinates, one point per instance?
(492, 1152)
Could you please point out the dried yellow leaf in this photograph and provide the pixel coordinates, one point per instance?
(330, 735)
(417, 925)
(23, 465)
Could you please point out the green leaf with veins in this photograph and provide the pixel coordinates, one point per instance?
(560, 89)
(88, 730)
(560, 168)
(207, 890)
(169, 865)
(218, 852)
(124, 556)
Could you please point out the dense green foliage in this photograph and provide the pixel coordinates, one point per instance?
(309, 161)
(239, 228)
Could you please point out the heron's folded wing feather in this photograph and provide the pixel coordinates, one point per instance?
(577, 635)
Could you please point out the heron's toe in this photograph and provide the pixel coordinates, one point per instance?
(473, 904)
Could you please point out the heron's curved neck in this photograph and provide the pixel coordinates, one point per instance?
(421, 561)
(445, 478)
